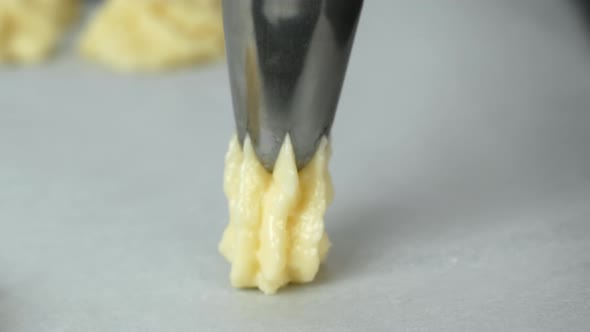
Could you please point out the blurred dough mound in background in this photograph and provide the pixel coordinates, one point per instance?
(152, 35)
(31, 29)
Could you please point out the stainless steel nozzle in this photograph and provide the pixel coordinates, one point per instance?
(287, 61)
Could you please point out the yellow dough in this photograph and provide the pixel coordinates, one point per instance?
(152, 35)
(31, 29)
(276, 230)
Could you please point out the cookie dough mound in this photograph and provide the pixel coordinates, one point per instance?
(31, 29)
(276, 230)
(153, 35)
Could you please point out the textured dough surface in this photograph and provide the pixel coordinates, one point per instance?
(152, 35)
(276, 230)
(31, 29)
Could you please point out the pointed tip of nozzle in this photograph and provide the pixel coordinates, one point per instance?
(287, 62)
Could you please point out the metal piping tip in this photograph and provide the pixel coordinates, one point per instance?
(287, 61)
